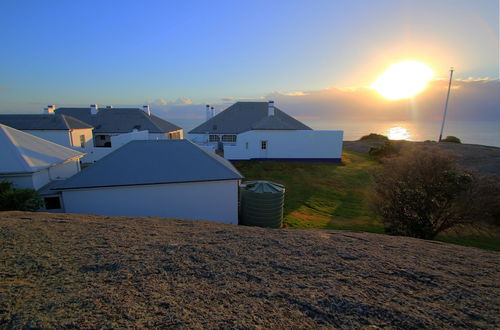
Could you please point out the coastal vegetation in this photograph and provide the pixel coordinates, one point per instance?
(452, 139)
(18, 199)
(423, 192)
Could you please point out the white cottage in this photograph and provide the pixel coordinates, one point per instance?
(110, 124)
(260, 131)
(31, 162)
(165, 178)
(61, 129)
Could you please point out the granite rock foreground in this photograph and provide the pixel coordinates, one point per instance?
(86, 271)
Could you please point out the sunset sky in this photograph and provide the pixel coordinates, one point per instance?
(316, 57)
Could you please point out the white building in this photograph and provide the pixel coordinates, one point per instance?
(165, 178)
(31, 162)
(260, 131)
(61, 129)
(111, 122)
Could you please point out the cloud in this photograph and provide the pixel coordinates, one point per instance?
(165, 102)
(471, 99)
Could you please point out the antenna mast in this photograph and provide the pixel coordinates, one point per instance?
(446, 105)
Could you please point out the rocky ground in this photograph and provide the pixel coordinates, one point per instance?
(483, 159)
(83, 271)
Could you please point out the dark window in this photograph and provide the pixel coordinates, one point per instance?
(82, 141)
(102, 141)
(229, 138)
(213, 138)
(52, 203)
(263, 145)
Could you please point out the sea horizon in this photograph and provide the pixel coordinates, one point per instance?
(470, 132)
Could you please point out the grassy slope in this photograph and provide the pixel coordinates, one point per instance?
(333, 196)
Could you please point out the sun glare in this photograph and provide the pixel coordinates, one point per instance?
(403, 80)
(398, 133)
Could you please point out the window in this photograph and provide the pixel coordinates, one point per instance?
(246, 145)
(102, 141)
(52, 203)
(213, 138)
(82, 141)
(263, 145)
(229, 138)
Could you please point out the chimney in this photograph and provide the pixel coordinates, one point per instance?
(207, 112)
(49, 110)
(212, 111)
(109, 107)
(270, 109)
(93, 109)
(147, 109)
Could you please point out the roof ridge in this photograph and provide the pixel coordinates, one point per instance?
(216, 158)
(151, 121)
(65, 121)
(14, 148)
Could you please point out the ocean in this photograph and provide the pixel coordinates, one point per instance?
(473, 132)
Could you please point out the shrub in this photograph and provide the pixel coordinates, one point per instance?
(388, 149)
(423, 192)
(452, 139)
(18, 199)
(374, 137)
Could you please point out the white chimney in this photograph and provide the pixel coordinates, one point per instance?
(49, 109)
(109, 107)
(93, 109)
(207, 112)
(270, 109)
(147, 109)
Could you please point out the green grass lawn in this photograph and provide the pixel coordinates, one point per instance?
(321, 195)
(335, 196)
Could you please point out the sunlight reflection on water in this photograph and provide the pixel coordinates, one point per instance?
(398, 133)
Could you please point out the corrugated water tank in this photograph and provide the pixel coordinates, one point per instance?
(262, 204)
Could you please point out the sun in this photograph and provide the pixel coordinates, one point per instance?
(403, 80)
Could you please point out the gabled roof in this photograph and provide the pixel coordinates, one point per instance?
(120, 120)
(24, 153)
(247, 116)
(146, 162)
(43, 122)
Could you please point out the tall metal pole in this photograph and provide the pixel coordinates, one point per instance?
(446, 105)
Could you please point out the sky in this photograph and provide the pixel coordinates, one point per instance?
(315, 58)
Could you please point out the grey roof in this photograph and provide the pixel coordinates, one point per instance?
(43, 122)
(247, 116)
(120, 120)
(145, 162)
(24, 153)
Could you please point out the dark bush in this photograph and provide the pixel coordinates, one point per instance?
(18, 199)
(452, 139)
(423, 192)
(374, 137)
(388, 149)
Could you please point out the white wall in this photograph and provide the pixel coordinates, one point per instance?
(19, 181)
(41, 178)
(300, 144)
(64, 170)
(214, 201)
(95, 153)
(75, 137)
(57, 136)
